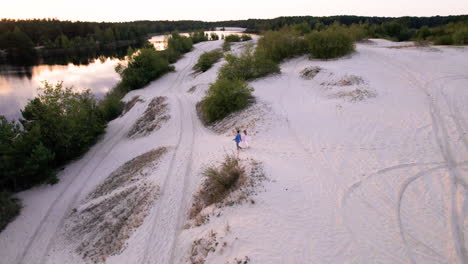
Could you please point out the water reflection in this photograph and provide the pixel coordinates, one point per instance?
(92, 70)
(19, 84)
(160, 41)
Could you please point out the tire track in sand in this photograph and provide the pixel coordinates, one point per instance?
(50, 217)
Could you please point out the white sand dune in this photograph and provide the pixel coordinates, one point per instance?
(380, 179)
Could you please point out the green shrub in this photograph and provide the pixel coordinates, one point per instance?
(143, 67)
(245, 37)
(9, 208)
(24, 160)
(198, 36)
(111, 106)
(214, 36)
(301, 29)
(278, 45)
(207, 59)
(232, 38)
(249, 65)
(330, 43)
(443, 40)
(68, 122)
(179, 43)
(224, 97)
(460, 36)
(226, 46)
(176, 46)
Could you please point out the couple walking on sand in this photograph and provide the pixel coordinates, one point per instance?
(241, 138)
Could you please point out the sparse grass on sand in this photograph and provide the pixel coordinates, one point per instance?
(130, 171)
(153, 118)
(310, 72)
(355, 95)
(130, 104)
(232, 182)
(100, 226)
(219, 182)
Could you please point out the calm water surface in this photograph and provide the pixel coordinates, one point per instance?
(19, 84)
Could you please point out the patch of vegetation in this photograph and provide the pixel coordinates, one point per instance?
(331, 43)
(198, 36)
(142, 67)
(278, 45)
(214, 36)
(249, 65)
(207, 59)
(219, 182)
(225, 96)
(58, 125)
(245, 37)
(232, 38)
(226, 46)
(9, 208)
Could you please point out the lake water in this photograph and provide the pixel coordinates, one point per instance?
(19, 84)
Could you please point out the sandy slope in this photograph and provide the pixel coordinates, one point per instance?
(379, 180)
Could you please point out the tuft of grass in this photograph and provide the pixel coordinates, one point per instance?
(219, 182)
(9, 208)
(207, 59)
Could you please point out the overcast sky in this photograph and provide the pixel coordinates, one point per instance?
(211, 10)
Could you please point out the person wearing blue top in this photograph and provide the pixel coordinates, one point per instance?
(238, 139)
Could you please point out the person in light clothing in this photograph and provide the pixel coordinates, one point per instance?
(245, 139)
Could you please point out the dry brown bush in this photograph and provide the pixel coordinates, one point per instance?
(219, 182)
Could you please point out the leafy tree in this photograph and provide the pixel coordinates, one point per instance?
(278, 45)
(250, 64)
(224, 97)
(330, 43)
(68, 122)
(207, 59)
(143, 66)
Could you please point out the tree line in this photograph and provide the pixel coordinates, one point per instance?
(19, 37)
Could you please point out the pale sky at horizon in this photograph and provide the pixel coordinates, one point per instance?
(211, 10)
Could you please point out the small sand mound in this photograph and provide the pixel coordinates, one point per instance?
(101, 225)
(130, 104)
(133, 170)
(153, 118)
(101, 229)
(355, 95)
(347, 80)
(254, 119)
(349, 87)
(310, 72)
